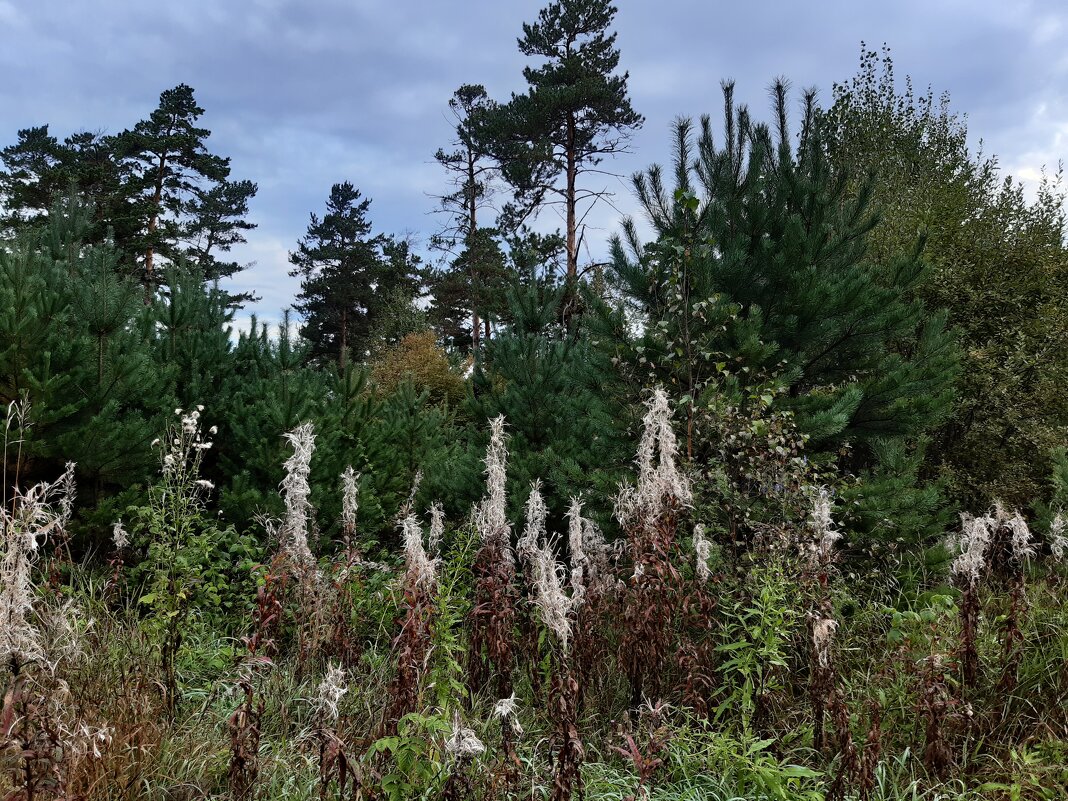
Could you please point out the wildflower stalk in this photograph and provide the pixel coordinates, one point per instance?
(649, 512)
(492, 618)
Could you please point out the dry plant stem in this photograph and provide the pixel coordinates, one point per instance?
(650, 606)
(969, 634)
(492, 621)
(936, 703)
(567, 775)
(412, 647)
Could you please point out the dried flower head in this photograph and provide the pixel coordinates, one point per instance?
(491, 519)
(703, 549)
(437, 528)
(25, 522)
(296, 492)
(534, 533)
(550, 596)
(119, 536)
(420, 569)
(331, 690)
(1022, 547)
(661, 486)
(975, 538)
(823, 629)
(1058, 541)
(463, 743)
(507, 711)
(824, 533)
(350, 498)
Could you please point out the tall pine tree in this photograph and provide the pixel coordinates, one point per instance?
(575, 112)
(338, 262)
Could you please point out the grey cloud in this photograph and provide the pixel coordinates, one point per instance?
(304, 94)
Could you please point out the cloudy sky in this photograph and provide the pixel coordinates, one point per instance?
(303, 94)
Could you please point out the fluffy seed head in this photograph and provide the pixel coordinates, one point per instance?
(491, 519)
(534, 533)
(1058, 542)
(462, 743)
(703, 549)
(550, 596)
(119, 536)
(296, 492)
(331, 690)
(437, 528)
(975, 538)
(1022, 547)
(25, 522)
(824, 533)
(823, 630)
(420, 569)
(661, 486)
(350, 498)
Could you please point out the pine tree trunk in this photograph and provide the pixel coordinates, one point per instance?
(343, 338)
(153, 226)
(472, 229)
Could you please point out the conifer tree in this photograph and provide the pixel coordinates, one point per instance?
(759, 272)
(557, 425)
(575, 112)
(71, 344)
(472, 280)
(338, 261)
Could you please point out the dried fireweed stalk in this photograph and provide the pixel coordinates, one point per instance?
(702, 547)
(550, 594)
(661, 487)
(350, 501)
(825, 535)
(420, 568)
(1058, 541)
(490, 517)
(296, 492)
(437, 528)
(463, 743)
(30, 518)
(331, 690)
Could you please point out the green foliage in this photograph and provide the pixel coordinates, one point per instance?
(417, 762)
(71, 343)
(754, 654)
(998, 267)
(558, 428)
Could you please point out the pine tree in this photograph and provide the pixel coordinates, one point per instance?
(759, 273)
(476, 266)
(217, 223)
(71, 344)
(338, 261)
(169, 165)
(575, 112)
(558, 428)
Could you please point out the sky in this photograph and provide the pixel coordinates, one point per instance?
(302, 94)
